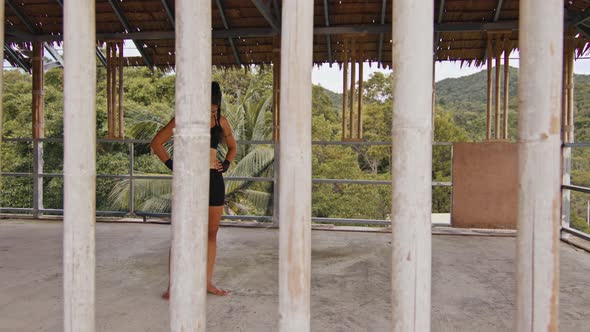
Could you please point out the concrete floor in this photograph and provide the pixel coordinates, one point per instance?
(473, 280)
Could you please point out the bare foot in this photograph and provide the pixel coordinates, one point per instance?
(216, 291)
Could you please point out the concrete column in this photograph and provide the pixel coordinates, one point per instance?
(38, 112)
(412, 164)
(79, 165)
(1, 76)
(191, 166)
(540, 83)
(295, 161)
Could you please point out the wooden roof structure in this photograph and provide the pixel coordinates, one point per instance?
(246, 31)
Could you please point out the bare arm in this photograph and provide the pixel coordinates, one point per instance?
(161, 137)
(228, 139)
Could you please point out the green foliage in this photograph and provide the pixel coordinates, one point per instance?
(149, 104)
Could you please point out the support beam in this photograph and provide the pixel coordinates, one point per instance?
(295, 160)
(506, 94)
(380, 49)
(79, 166)
(441, 12)
(191, 172)
(497, 100)
(226, 25)
(56, 56)
(125, 23)
(328, 37)
(352, 87)
(498, 10)
(264, 9)
(1, 78)
(38, 104)
(411, 168)
(168, 12)
(32, 29)
(19, 36)
(541, 44)
(22, 17)
(495, 19)
(489, 95)
(16, 58)
(582, 18)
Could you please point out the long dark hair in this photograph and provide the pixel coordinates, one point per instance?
(216, 100)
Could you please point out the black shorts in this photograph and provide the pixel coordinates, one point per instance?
(216, 188)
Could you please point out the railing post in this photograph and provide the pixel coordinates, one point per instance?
(37, 177)
(131, 179)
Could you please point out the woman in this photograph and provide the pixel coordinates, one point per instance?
(220, 133)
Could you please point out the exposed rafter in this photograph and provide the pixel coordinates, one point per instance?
(99, 54)
(32, 29)
(498, 10)
(264, 9)
(16, 58)
(226, 25)
(13, 36)
(328, 37)
(380, 49)
(441, 12)
(168, 12)
(584, 30)
(496, 18)
(125, 23)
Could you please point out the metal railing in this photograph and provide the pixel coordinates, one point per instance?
(567, 188)
(37, 209)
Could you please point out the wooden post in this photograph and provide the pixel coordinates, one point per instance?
(110, 124)
(352, 86)
(1, 77)
(489, 92)
(113, 86)
(506, 93)
(344, 85)
(570, 91)
(497, 96)
(38, 103)
(413, 33)
(295, 189)
(120, 94)
(191, 166)
(276, 125)
(38, 117)
(359, 111)
(541, 44)
(79, 165)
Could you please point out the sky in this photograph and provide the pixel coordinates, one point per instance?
(331, 78)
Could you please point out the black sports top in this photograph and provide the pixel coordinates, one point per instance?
(216, 133)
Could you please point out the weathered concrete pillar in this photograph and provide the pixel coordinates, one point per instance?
(539, 91)
(79, 165)
(295, 161)
(412, 164)
(190, 201)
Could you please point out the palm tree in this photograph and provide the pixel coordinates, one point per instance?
(250, 120)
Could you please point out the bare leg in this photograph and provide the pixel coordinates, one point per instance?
(214, 220)
(166, 294)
